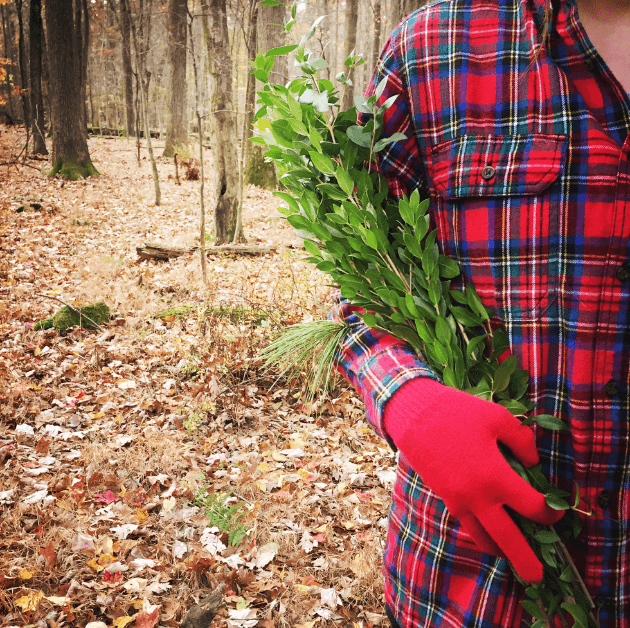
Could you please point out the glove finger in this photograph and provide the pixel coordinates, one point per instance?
(527, 501)
(482, 539)
(520, 439)
(500, 527)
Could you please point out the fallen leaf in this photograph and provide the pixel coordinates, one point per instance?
(147, 620)
(266, 554)
(107, 497)
(25, 574)
(121, 622)
(29, 602)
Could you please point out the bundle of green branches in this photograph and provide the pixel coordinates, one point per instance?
(383, 256)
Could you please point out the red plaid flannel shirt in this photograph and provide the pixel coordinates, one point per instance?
(526, 163)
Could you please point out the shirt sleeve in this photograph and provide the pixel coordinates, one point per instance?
(376, 363)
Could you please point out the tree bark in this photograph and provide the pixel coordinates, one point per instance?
(24, 93)
(222, 121)
(36, 28)
(271, 34)
(125, 31)
(8, 54)
(352, 17)
(70, 154)
(376, 39)
(177, 129)
(143, 89)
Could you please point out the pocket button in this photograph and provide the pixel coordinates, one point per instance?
(623, 273)
(612, 388)
(488, 173)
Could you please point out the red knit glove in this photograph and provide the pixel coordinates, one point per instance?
(449, 438)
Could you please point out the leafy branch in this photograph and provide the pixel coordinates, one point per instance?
(385, 259)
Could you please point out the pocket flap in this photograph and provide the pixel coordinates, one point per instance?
(497, 165)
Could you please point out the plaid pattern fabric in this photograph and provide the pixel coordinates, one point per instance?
(526, 162)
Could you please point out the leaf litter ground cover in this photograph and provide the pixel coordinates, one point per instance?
(114, 445)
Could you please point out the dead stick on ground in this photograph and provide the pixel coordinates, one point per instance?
(74, 309)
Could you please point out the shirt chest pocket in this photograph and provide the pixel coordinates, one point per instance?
(496, 201)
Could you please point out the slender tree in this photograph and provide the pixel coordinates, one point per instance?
(143, 89)
(177, 129)
(24, 92)
(125, 32)
(376, 38)
(70, 154)
(36, 29)
(352, 18)
(222, 121)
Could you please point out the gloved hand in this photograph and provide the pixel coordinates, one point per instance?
(449, 438)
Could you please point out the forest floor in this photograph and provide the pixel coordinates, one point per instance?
(129, 455)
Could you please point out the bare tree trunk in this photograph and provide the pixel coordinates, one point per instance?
(271, 34)
(24, 93)
(251, 45)
(177, 129)
(125, 31)
(352, 17)
(70, 154)
(85, 47)
(223, 121)
(202, 206)
(36, 29)
(9, 57)
(145, 108)
(375, 49)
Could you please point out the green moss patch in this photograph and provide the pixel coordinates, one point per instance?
(64, 317)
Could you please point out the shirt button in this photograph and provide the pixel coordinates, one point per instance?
(623, 272)
(488, 172)
(601, 601)
(603, 499)
(612, 388)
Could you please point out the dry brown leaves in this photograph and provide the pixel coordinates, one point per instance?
(106, 437)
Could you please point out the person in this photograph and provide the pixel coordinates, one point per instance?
(516, 114)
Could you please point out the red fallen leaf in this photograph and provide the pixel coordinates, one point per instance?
(320, 538)
(107, 497)
(43, 445)
(147, 620)
(364, 536)
(363, 497)
(113, 578)
(49, 554)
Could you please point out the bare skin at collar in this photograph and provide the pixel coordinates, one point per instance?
(607, 23)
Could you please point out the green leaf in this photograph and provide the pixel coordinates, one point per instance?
(322, 162)
(359, 136)
(557, 503)
(371, 240)
(533, 609)
(345, 181)
(547, 552)
(443, 331)
(579, 614)
(332, 190)
(280, 50)
(567, 574)
(381, 144)
(270, 3)
(316, 139)
(550, 422)
(369, 319)
(466, 317)
(546, 536)
(448, 268)
(474, 302)
(502, 375)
